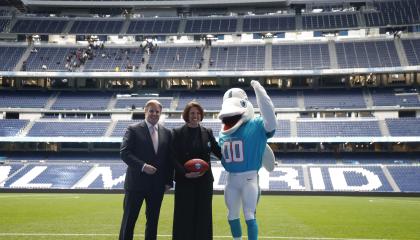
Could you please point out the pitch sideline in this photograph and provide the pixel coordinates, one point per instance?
(168, 236)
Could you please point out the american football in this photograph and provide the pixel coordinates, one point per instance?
(196, 165)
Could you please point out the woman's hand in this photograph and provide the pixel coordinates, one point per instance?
(194, 174)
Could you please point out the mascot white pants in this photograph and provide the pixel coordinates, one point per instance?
(243, 140)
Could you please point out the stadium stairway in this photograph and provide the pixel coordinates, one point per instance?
(110, 128)
(390, 179)
(125, 26)
(384, 128)
(51, 100)
(142, 67)
(268, 56)
(112, 102)
(361, 19)
(299, 22)
(175, 101)
(306, 177)
(69, 25)
(333, 54)
(206, 58)
(293, 128)
(26, 129)
(368, 98)
(182, 25)
(239, 25)
(401, 52)
(23, 58)
(10, 26)
(300, 100)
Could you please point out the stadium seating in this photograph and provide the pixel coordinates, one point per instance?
(392, 97)
(399, 12)
(237, 58)
(342, 178)
(212, 25)
(11, 127)
(139, 103)
(329, 21)
(5, 12)
(412, 51)
(23, 99)
(269, 24)
(251, 57)
(283, 129)
(82, 100)
(97, 26)
(41, 26)
(212, 100)
(388, 158)
(283, 99)
(321, 99)
(139, 26)
(110, 59)
(300, 56)
(175, 59)
(367, 54)
(121, 127)
(3, 23)
(209, 100)
(9, 57)
(343, 128)
(107, 171)
(49, 58)
(406, 177)
(306, 158)
(53, 175)
(403, 126)
(68, 129)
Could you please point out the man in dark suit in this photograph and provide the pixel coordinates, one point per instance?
(146, 151)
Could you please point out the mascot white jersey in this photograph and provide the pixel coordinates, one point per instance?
(243, 140)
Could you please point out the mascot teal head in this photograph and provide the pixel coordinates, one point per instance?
(236, 109)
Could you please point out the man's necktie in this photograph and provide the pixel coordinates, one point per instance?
(154, 135)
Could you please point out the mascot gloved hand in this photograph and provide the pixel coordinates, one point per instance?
(243, 140)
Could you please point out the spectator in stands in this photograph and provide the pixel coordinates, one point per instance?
(146, 149)
(194, 190)
(126, 14)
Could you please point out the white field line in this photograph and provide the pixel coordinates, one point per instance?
(40, 196)
(170, 236)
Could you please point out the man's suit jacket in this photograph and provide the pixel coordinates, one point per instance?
(137, 149)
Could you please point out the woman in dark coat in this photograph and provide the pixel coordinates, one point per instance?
(193, 190)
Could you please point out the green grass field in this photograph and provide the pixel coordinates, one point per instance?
(97, 216)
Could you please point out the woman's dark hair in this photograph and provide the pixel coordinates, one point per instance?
(187, 109)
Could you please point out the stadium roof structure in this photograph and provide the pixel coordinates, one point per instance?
(176, 3)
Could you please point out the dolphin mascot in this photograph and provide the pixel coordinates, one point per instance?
(243, 139)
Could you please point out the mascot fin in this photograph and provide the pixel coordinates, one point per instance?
(268, 160)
